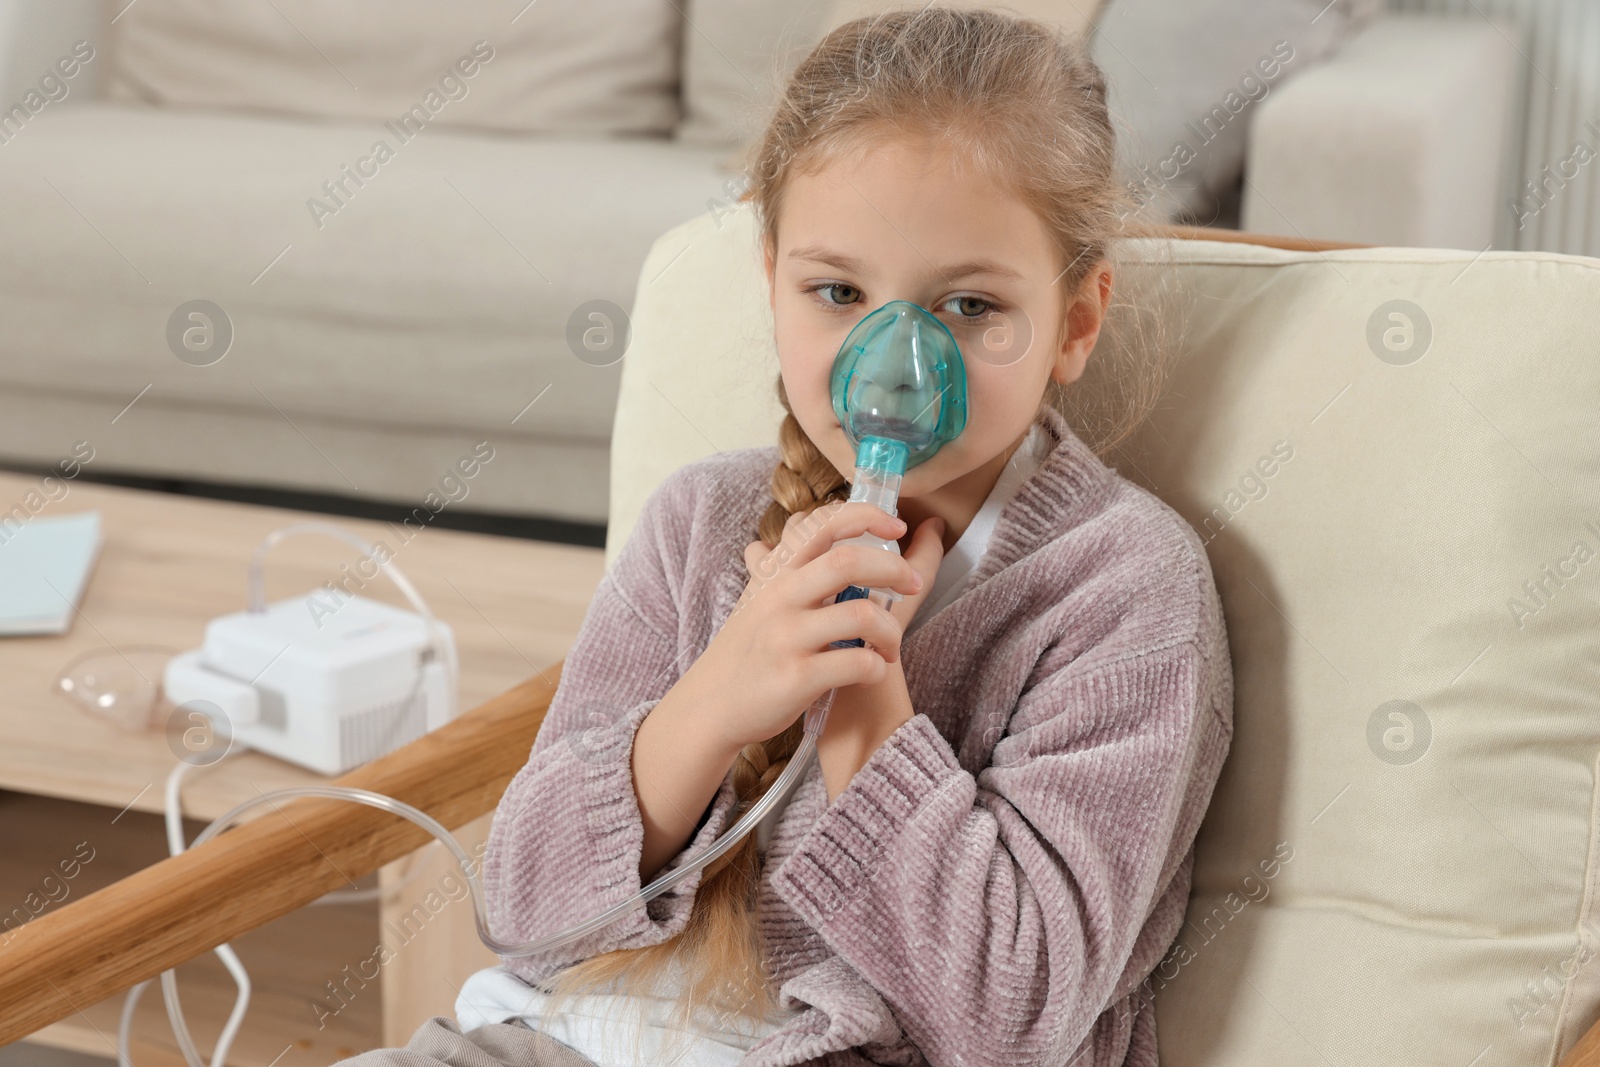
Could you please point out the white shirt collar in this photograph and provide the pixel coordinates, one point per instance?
(963, 556)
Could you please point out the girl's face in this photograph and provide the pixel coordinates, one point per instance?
(903, 223)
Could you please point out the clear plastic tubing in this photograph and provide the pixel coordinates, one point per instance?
(899, 371)
(816, 718)
(877, 483)
(880, 464)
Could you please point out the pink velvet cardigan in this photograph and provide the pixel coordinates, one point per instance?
(996, 883)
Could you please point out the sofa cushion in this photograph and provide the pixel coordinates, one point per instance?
(1073, 17)
(1398, 141)
(1390, 455)
(439, 292)
(1185, 76)
(740, 53)
(555, 66)
(736, 60)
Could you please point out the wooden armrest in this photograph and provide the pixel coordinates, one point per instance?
(1586, 1053)
(264, 868)
(1292, 244)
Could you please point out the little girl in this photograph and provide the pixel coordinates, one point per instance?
(993, 849)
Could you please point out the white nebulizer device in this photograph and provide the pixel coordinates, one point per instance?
(329, 680)
(899, 390)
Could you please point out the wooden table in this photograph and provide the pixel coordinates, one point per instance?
(74, 784)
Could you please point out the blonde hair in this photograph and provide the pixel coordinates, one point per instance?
(1027, 105)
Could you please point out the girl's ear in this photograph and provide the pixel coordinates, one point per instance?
(1084, 318)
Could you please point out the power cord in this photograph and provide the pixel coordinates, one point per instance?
(173, 807)
(816, 717)
(225, 952)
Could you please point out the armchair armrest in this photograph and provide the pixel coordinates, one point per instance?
(1586, 1053)
(264, 868)
(1216, 233)
(1399, 139)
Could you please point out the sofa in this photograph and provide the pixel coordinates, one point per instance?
(326, 248)
(386, 310)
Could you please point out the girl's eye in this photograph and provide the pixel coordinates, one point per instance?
(964, 309)
(965, 312)
(829, 286)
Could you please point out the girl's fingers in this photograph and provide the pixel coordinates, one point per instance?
(926, 550)
(851, 619)
(846, 565)
(754, 553)
(925, 553)
(805, 537)
(839, 667)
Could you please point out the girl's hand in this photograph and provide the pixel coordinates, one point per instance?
(925, 554)
(771, 659)
(863, 716)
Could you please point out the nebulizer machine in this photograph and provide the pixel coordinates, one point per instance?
(899, 391)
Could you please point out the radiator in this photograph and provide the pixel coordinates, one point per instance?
(1550, 188)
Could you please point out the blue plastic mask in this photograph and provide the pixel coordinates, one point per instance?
(899, 387)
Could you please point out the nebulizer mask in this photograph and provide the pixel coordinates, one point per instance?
(899, 390)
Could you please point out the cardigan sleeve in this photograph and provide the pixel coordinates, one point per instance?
(567, 836)
(996, 914)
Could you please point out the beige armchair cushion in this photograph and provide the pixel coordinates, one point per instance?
(1401, 502)
(556, 66)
